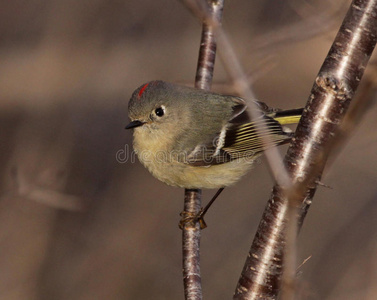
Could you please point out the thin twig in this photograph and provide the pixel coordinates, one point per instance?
(331, 94)
(192, 203)
(242, 86)
(312, 23)
(192, 281)
(207, 50)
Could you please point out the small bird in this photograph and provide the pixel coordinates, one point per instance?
(194, 138)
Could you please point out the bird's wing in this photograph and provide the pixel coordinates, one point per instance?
(248, 140)
(239, 141)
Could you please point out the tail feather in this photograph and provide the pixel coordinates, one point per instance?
(291, 116)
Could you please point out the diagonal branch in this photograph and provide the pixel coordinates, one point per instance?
(330, 97)
(242, 86)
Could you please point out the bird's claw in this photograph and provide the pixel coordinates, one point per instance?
(191, 219)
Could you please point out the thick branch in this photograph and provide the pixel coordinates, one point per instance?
(331, 94)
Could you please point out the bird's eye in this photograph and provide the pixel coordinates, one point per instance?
(159, 111)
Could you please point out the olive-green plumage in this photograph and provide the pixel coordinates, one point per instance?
(192, 138)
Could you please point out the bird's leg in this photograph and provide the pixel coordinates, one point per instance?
(199, 217)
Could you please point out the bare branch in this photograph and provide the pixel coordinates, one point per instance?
(207, 51)
(330, 97)
(192, 203)
(242, 86)
(313, 22)
(192, 281)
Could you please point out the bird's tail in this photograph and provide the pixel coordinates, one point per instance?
(291, 116)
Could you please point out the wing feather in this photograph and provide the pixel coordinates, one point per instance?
(239, 140)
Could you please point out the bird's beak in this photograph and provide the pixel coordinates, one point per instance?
(134, 124)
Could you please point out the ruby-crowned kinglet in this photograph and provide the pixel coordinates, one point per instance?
(193, 138)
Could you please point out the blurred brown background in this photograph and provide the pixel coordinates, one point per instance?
(75, 223)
